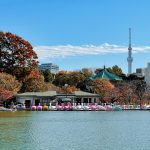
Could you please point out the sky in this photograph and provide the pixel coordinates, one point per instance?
(76, 34)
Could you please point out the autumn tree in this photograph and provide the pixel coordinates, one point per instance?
(17, 56)
(114, 95)
(123, 92)
(9, 86)
(87, 73)
(68, 89)
(61, 72)
(102, 87)
(34, 82)
(140, 89)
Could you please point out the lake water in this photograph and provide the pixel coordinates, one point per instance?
(120, 130)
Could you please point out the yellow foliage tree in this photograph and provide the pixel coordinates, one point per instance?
(102, 87)
(68, 89)
(34, 82)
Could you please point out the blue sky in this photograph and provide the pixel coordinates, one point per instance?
(81, 33)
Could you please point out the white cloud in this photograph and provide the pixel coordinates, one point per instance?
(49, 52)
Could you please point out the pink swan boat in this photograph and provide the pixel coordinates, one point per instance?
(39, 107)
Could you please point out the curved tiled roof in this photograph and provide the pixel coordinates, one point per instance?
(104, 74)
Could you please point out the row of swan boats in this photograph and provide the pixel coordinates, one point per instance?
(82, 107)
(77, 108)
(90, 107)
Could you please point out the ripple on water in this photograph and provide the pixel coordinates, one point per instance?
(123, 130)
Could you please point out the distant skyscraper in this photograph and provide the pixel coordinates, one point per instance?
(129, 59)
(140, 72)
(147, 74)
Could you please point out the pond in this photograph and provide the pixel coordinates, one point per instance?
(75, 130)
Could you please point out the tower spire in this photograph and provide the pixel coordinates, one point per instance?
(129, 37)
(129, 59)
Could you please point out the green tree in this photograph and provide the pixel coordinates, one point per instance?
(47, 75)
(76, 78)
(73, 78)
(117, 70)
(61, 79)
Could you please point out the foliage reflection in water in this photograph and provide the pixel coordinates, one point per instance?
(75, 130)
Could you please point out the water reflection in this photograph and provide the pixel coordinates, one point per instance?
(75, 130)
(15, 114)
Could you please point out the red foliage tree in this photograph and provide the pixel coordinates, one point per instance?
(16, 54)
(121, 93)
(9, 86)
(5, 95)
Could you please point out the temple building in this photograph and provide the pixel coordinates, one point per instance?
(104, 74)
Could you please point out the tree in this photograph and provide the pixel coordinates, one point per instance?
(34, 82)
(122, 92)
(71, 78)
(114, 95)
(9, 86)
(76, 78)
(68, 89)
(132, 77)
(47, 75)
(140, 89)
(5, 95)
(102, 87)
(61, 72)
(87, 73)
(61, 79)
(117, 70)
(16, 55)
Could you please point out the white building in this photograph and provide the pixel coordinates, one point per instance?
(140, 72)
(50, 66)
(36, 98)
(147, 74)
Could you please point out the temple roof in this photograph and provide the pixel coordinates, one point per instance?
(104, 74)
